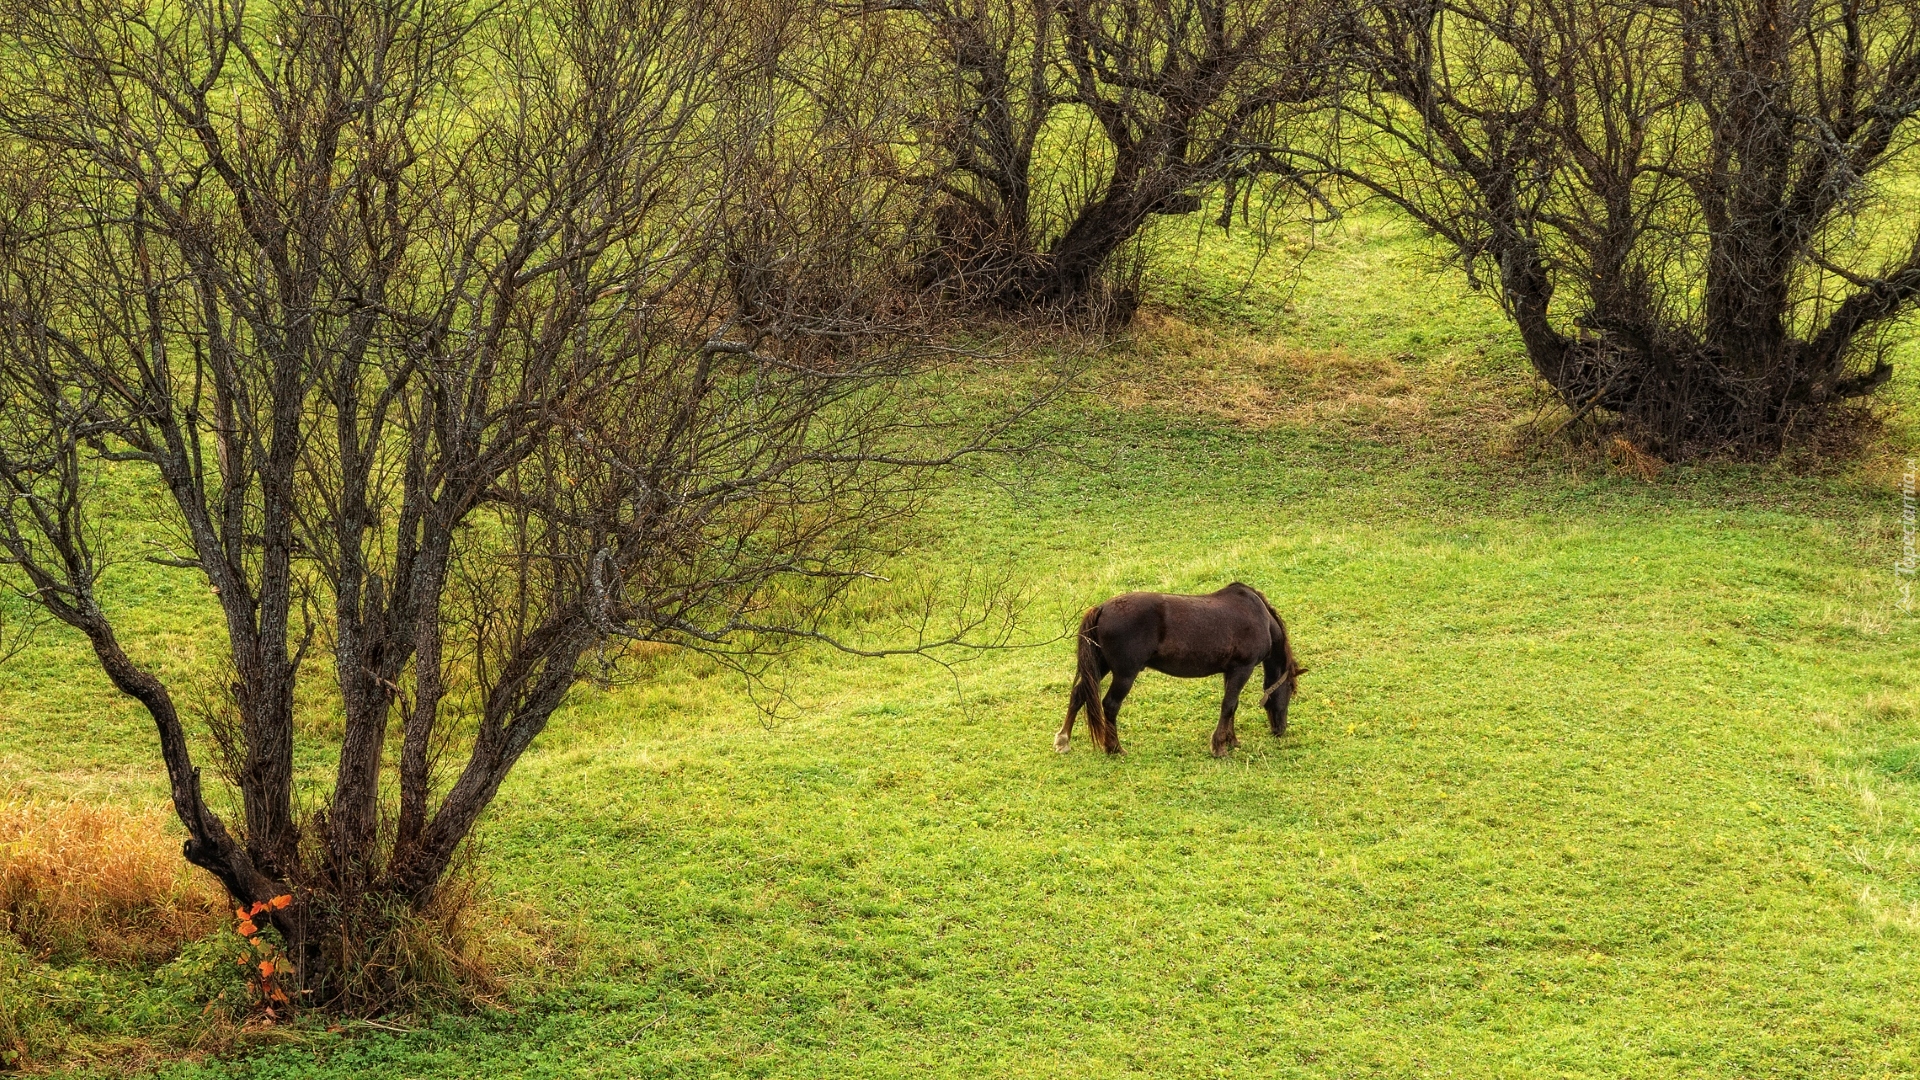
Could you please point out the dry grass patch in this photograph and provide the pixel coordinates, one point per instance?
(1630, 458)
(1171, 363)
(97, 879)
(1447, 403)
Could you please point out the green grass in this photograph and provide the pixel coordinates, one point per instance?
(1589, 777)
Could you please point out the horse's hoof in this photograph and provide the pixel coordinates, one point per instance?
(1061, 744)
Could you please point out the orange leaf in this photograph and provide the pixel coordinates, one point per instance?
(280, 996)
(247, 929)
(242, 912)
(279, 902)
(266, 969)
(255, 942)
(256, 909)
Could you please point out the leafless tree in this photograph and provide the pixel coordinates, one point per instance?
(1688, 207)
(451, 339)
(1058, 129)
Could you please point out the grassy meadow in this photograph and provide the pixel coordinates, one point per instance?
(1591, 775)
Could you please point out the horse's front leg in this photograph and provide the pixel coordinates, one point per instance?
(1224, 737)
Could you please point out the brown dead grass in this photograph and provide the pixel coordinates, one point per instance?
(1450, 404)
(1630, 458)
(97, 879)
(1171, 363)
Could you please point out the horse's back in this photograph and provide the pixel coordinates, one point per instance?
(1186, 636)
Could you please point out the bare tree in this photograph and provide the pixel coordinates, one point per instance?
(1685, 206)
(1060, 128)
(439, 329)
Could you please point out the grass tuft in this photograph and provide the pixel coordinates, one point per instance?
(1629, 458)
(1901, 762)
(396, 959)
(102, 881)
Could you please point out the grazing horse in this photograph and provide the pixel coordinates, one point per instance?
(1190, 637)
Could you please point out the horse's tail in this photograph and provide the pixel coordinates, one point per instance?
(1087, 675)
(1290, 669)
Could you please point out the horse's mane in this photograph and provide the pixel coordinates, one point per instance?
(1293, 670)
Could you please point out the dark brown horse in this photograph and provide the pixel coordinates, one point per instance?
(1190, 637)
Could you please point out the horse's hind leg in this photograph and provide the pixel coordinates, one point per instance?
(1116, 693)
(1083, 693)
(1064, 741)
(1224, 736)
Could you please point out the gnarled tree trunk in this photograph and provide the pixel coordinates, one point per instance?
(1676, 201)
(431, 328)
(1070, 125)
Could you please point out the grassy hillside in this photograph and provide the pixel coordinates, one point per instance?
(1590, 776)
